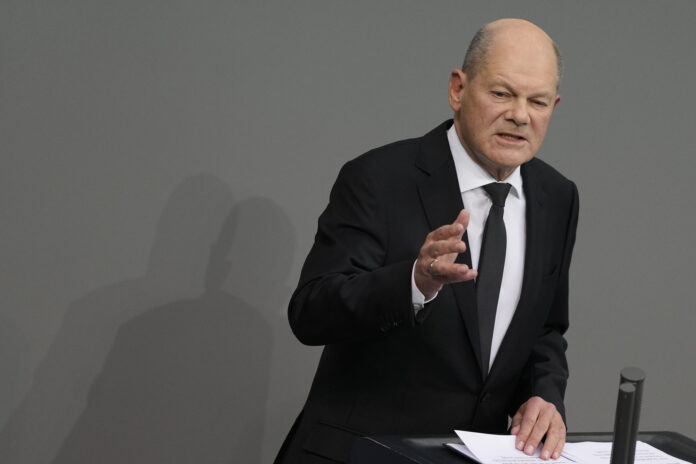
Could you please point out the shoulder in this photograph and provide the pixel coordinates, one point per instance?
(552, 188)
(398, 158)
(387, 158)
(378, 174)
(549, 177)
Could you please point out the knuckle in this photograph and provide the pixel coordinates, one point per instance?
(528, 421)
(544, 426)
(538, 432)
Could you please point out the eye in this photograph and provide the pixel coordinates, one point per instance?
(499, 94)
(540, 103)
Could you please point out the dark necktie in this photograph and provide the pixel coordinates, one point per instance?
(490, 269)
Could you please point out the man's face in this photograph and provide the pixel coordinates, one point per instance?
(502, 113)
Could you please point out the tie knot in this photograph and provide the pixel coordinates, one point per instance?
(498, 192)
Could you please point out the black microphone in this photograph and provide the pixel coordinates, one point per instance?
(628, 403)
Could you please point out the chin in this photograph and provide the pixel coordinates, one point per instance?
(511, 162)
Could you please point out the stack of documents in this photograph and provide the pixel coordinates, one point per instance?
(500, 449)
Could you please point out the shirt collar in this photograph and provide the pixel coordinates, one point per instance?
(472, 176)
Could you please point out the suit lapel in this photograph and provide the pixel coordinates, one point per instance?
(442, 201)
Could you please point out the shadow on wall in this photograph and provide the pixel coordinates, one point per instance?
(12, 369)
(132, 378)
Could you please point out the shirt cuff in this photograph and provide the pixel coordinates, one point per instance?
(417, 298)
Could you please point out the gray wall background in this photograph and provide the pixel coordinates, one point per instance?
(164, 163)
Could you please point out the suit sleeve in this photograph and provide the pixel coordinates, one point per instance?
(546, 372)
(348, 291)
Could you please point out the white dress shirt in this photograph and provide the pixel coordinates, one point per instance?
(472, 178)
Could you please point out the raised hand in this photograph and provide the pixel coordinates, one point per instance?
(435, 266)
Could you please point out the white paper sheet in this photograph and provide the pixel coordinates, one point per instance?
(500, 449)
(591, 452)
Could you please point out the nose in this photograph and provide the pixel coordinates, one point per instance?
(518, 113)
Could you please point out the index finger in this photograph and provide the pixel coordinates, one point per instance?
(448, 231)
(538, 431)
(526, 424)
(463, 218)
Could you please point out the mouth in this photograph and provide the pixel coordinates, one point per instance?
(511, 137)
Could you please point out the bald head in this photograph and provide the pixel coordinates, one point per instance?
(509, 32)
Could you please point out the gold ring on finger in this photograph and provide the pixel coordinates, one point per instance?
(430, 266)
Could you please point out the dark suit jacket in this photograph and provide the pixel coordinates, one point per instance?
(384, 371)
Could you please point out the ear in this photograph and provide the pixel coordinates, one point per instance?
(556, 101)
(457, 84)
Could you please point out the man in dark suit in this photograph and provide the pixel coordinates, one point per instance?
(391, 286)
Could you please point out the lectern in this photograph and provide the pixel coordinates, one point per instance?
(431, 450)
